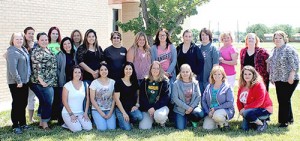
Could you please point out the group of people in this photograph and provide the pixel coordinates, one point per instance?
(80, 84)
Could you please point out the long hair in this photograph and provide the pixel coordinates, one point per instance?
(133, 77)
(72, 35)
(192, 76)
(86, 43)
(50, 31)
(161, 75)
(62, 46)
(135, 46)
(213, 71)
(256, 77)
(157, 42)
(256, 39)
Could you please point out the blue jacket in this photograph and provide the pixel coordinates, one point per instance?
(162, 97)
(178, 97)
(225, 99)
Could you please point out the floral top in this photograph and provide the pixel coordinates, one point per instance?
(281, 62)
(44, 65)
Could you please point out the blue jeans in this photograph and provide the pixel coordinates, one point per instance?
(103, 124)
(135, 116)
(45, 96)
(181, 121)
(251, 115)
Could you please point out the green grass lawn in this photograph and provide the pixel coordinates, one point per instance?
(170, 133)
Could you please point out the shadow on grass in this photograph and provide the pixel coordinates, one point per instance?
(58, 133)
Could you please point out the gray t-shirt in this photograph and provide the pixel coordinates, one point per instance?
(211, 57)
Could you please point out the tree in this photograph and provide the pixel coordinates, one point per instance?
(297, 30)
(195, 35)
(288, 29)
(258, 29)
(156, 14)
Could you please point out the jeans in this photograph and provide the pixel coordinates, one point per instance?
(45, 96)
(103, 124)
(19, 103)
(181, 121)
(135, 116)
(251, 115)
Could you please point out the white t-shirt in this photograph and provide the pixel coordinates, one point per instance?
(103, 94)
(75, 98)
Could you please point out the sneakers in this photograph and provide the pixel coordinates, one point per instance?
(262, 128)
(25, 127)
(17, 130)
(283, 125)
(64, 126)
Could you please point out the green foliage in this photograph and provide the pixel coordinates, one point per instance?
(168, 14)
(288, 29)
(196, 33)
(258, 29)
(297, 30)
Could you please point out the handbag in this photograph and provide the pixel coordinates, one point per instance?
(85, 100)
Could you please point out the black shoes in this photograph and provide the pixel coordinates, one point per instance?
(262, 128)
(25, 127)
(17, 130)
(283, 125)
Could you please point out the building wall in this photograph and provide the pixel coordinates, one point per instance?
(67, 15)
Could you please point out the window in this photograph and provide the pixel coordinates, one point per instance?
(115, 19)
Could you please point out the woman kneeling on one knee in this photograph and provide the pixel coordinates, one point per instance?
(73, 113)
(218, 101)
(187, 97)
(154, 97)
(253, 101)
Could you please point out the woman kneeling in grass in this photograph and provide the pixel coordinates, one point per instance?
(253, 100)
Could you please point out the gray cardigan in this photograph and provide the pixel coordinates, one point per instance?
(225, 99)
(178, 97)
(61, 66)
(17, 66)
(172, 66)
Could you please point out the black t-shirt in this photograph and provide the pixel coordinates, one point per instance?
(69, 66)
(91, 59)
(128, 94)
(249, 60)
(115, 58)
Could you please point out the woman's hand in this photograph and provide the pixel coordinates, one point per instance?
(86, 117)
(133, 108)
(20, 85)
(221, 59)
(211, 112)
(189, 110)
(151, 112)
(242, 111)
(73, 118)
(291, 79)
(126, 117)
(108, 115)
(95, 74)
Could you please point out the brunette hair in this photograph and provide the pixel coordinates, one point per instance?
(50, 31)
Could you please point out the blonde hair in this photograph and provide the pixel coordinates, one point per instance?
(135, 46)
(282, 34)
(213, 71)
(256, 39)
(192, 76)
(161, 75)
(11, 42)
(226, 34)
(256, 77)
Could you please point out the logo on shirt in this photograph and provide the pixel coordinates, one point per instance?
(122, 53)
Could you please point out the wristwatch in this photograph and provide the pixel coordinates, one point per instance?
(71, 114)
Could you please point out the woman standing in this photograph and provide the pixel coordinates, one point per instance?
(189, 53)
(65, 62)
(126, 98)
(89, 55)
(115, 56)
(18, 73)
(76, 37)
(101, 93)
(187, 98)
(256, 57)
(54, 40)
(154, 97)
(228, 57)
(253, 100)
(44, 78)
(164, 52)
(283, 68)
(139, 54)
(210, 54)
(73, 95)
(217, 101)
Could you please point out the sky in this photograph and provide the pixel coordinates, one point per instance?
(244, 13)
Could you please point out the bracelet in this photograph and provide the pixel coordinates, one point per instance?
(71, 114)
(137, 105)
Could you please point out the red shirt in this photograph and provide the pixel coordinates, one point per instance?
(258, 97)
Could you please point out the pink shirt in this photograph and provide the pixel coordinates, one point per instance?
(225, 53)
(164, 57)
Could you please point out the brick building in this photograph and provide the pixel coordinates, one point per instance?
(67, 15)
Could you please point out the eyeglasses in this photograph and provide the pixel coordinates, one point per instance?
(164, 35)
(116, 37)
